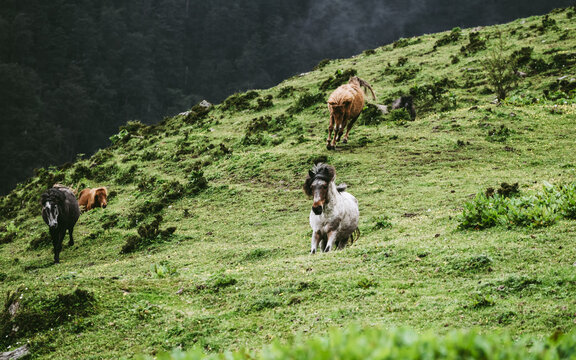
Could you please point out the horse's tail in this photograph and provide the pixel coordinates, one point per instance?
(367, 86)
(354, 236)
(341, 187)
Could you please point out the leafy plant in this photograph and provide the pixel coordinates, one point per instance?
(162, 270)
(382, 222)
(340, 77)
(499, 70)
(450, 38)
(533, 210)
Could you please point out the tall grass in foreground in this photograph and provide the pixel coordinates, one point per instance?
(375, 343)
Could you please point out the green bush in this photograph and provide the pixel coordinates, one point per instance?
(239, 101)
(500, 71)
(305, 101)
(340, 77)
(450, 38)
(532, 210)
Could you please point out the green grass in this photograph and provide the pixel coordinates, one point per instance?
(236, 272)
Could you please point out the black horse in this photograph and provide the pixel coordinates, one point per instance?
(60, 212)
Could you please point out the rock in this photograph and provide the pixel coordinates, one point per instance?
(205, 104)
(15, 354)
(383, 109)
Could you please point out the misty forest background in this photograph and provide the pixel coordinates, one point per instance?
(72, 72)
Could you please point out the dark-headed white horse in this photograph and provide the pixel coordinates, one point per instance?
(334, 215)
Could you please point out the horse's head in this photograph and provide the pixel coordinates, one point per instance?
(317, 184)
(52, 204)
(101, 197)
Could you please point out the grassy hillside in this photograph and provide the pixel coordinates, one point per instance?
(235, 272)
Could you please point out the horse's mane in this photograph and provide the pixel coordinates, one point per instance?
(53, 195)
(319, 171)
(360, 82)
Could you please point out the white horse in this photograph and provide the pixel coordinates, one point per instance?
(334, 215)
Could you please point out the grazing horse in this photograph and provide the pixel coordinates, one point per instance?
(60, 212)
(93, 198)
(334, 215)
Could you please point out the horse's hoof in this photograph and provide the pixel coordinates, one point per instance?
(345, 141)
(329, 147)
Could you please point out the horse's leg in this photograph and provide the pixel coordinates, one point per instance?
(333, 143)
(71, 242)
(341, 130)
(331, 239)
(314, 242)
(57, 244)
(330, 128)
(345, 140)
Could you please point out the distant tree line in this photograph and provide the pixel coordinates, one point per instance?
(71, 72)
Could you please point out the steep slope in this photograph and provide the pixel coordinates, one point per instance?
(236, 271)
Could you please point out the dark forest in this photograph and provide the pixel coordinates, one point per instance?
(72, 72)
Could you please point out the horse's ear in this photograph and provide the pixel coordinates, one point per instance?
(307, 184)
(331, 172)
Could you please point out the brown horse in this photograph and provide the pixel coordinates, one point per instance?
(345, 105)
(93, 198)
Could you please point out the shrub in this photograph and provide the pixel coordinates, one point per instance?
(400, 43)
(239, 101)
(400, 115)
(148, 234)
(264, 103)
(499, 70)
(122, 136)
(286, 91)
(162, 270)
(521, 57)
(499, 134)
(532, 211)
(197, 113)
(382, 222)
(305, 101)
(340, 77)
(450, 38)
(479, 300)
(322, 64)
(371, 115)
(475, 44)
(548, 23)
(434, 96)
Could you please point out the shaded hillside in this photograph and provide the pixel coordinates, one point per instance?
(71, 73)
(235, 272)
